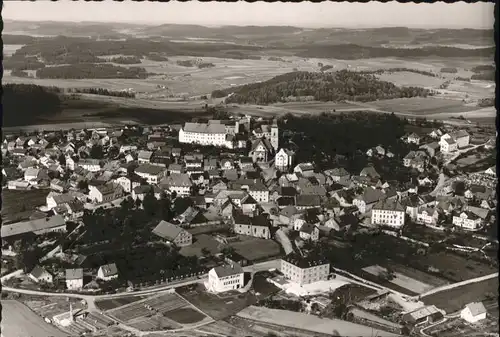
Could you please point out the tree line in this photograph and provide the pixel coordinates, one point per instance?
(126, 60)
(339, 86)
(89, 70)
(395, 70)
(102, 91)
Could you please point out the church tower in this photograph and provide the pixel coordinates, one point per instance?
(274, 135)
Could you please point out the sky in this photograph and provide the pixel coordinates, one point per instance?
(304, 14)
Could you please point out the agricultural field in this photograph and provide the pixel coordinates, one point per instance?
(455, 299)
(431, 280)
(168, 311)
(401, 280)
(255, 249)
(229, 329)
(117, 302)
(19, 321)
(422, 106)
(51, 306)
(214, 306)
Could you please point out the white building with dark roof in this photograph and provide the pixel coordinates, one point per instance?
(227, 277)
(39, 274)
(203, 134)
(107, 272)
(304, 270)
(74, 279)
(152, 173)
(473, 312)
(388, 212)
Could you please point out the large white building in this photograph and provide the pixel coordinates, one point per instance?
(152, 173)
(226, 277)
(468, 221)
(453, 141)
(204, 134)
(304, 270)
(388, 212)
(283, 160)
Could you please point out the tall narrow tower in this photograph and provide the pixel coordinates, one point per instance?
(274, 135)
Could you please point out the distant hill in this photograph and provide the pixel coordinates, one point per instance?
(338, 86)
(263, 35)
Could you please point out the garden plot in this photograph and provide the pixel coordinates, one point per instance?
(400, 280)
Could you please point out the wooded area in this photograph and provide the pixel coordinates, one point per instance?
(338, 86)
(92, 71)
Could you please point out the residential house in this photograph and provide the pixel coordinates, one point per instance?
(178, 183)
(258, 226)
(283, 159)
(105, 192)
(431, 148)
(448, 145)
(309, 232)
(304, 270)
(107, 272)
(474, 312)
(152, 173)
(210, 164)
(305, 169)
(338, 174)
(364, 202)
(467, 221)
(428, 314)
(39, 274)
(415, 159)
(173, 234)
(369, 171)
(226, 277)
(427, 216)
(91, 165)
(307, 201)
(261, 150)
(388, 212)
(140, 192)
(436, 133)
(413, 138)
(248, 204)
(492, 171)
(175, 168)
(259, 192)
(411, 204)
(74, 279)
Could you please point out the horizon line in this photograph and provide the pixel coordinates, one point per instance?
(153, 24)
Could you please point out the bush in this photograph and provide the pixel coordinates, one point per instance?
(450, 70)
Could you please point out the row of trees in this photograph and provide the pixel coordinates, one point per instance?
(126, 60)
(339, 86)
(354, 52)
(102, 91)
(395, 70)
(90, 70)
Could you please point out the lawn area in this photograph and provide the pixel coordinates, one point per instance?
(213, 305)
(255, 249)
(401, 280)
(262, 287)
(117, 302)
(422, 106)
(455, 299)
(456, 268)
(185, 315)
(199, 242)
(19, 321)
(30, 200)
(418, 275)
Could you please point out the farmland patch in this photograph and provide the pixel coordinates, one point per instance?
(400, 280)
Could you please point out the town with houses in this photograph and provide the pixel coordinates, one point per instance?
(231, 225)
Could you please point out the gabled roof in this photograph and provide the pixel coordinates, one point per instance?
(371, 195)
(204, 128)
(32, 226)
(109, 269)
(240, 218)
(38, 272)
(476, 308)
(228, 270)
(167, 230)
(149, 169)
(307, 228)
(261, 221)
(74, 274)
(388, 205)
(267, 145)
(307, 200)
(370, 172)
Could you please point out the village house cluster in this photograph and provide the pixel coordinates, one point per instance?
(253, 184)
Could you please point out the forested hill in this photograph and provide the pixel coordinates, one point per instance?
(338, 86)
(25, 103)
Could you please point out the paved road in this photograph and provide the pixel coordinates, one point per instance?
(456, 285)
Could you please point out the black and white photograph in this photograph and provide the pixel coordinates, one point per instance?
(236, 169)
